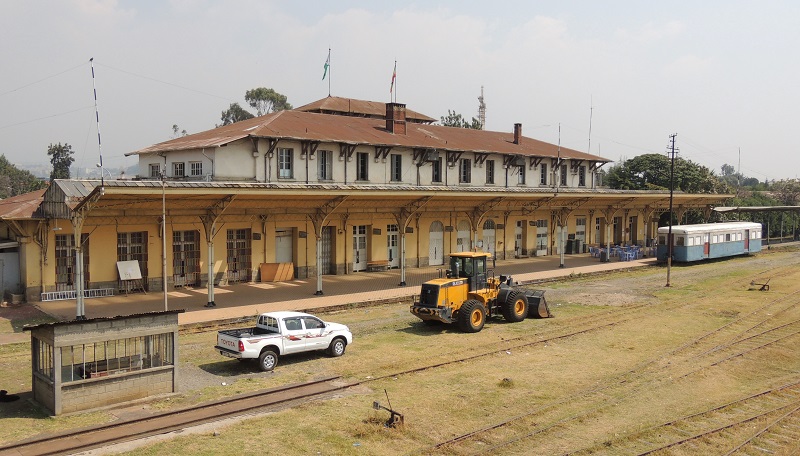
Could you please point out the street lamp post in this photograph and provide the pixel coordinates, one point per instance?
(164, 239)
(671, 190)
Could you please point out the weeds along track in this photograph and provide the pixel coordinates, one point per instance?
(758, 329)
(162, 423)
(763, 423)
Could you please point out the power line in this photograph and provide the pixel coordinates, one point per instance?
(45, 117)
(164, 82)
(43, 79)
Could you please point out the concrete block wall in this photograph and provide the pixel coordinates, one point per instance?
(104, 391)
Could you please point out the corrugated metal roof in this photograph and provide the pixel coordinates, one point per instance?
(145, 196)
(21, 206)
(99, 319)
(309, 126)
(757, 209)
(351, 106)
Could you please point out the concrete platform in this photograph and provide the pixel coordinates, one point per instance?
(249, 299)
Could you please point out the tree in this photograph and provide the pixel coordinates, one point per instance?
(14, 181)
(787, 191)
(61, 159)
(652, 172)
(266, 100)
(176, 131)
(454, 119)
(234, 113)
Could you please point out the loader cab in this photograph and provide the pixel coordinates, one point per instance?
(471, 266)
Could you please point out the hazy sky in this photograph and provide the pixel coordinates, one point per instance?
(723, 75)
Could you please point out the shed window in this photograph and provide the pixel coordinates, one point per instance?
(43, 358)
(114, 357)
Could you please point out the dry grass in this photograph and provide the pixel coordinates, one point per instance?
(442, 403)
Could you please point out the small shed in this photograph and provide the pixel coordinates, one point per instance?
(86, 364)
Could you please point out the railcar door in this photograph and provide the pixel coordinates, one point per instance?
(706, 247)
(746, 240)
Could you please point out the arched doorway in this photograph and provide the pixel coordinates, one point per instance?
(462, 239)
(489, 236)
(436, 246)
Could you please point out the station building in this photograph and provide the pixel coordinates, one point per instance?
(338, 186)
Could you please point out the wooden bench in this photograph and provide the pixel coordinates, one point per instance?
(378, 265)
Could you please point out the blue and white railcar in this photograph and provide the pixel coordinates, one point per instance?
(709, 240)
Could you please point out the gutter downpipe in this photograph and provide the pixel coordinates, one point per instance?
(202, 151)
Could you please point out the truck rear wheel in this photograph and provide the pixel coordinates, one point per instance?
(515, 309)
(267, 360)
(472, 316)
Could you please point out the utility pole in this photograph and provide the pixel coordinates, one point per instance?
(670, 241)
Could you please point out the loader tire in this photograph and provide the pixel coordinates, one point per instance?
(515, 309)
(472, 316)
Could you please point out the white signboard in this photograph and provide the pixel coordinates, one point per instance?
(129, 270)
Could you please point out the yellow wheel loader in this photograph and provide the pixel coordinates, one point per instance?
(470, 293)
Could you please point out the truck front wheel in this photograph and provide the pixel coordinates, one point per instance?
(337, 347)
(472, 316)
(267, 360)
(515, 309)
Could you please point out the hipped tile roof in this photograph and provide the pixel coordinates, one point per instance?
(309, 126)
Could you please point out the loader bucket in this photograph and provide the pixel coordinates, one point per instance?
(537, 305)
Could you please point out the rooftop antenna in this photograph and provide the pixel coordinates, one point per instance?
(739, 170)
(97, 118)
(482, 111)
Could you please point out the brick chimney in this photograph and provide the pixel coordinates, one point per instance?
(517, 132)
(396, 118)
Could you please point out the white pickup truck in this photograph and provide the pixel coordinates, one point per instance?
(282, 333)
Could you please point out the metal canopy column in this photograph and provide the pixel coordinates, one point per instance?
(318, 220)
(77, 218)
(209, 221)
(608, 215)
(403, 216)
(476, 216)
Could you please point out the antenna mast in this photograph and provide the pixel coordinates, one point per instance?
(482, 111)
(97, 118)
(591, 109)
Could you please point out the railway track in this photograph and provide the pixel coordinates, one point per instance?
(775, 414)
(740, 331)
(162, 423)
(129, 430)
(753, 331)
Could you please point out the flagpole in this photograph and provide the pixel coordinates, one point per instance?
(392, 90)
(329, 67)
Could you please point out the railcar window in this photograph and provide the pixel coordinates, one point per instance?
(714, 239)
(680, 240)
(662, 239)
(727, 237)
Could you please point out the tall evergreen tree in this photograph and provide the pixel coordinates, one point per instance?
(61, 159)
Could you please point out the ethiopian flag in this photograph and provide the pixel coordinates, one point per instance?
(327, 64)
(394, 76)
